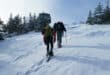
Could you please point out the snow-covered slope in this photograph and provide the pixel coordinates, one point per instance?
(85, 51)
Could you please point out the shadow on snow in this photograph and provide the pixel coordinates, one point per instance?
(101, 63)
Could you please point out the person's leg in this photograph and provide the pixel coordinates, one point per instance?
(50, 46)
(61, 40)
(47, 49)
(51, 43)
(58, 39)
(47, 46)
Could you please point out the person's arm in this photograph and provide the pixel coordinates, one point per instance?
(64, 27)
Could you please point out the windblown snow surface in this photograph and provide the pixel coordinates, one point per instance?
(85, 51)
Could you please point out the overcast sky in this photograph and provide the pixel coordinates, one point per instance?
(67, 11)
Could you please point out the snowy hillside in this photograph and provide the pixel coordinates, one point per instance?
(85, 51)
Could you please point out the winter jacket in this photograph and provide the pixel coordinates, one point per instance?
(59, 27)
(48, 33)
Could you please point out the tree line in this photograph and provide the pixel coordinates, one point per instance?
(101, 15)
(19, 25)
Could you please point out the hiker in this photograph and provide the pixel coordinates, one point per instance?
(59, 30)
(48, 39)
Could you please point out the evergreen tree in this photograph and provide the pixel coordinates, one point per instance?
(17, 22)
(1, 22)
(31, 22)
(1, 25)
(90, 18)
(98, 14)
(1, 30)
(10, 26)
(25, 25)
(35, 21)
(14, 25)
(107, 13)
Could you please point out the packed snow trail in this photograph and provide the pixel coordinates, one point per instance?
(85, 51)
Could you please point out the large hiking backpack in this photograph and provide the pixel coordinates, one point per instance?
(48, 31)
(60, 26)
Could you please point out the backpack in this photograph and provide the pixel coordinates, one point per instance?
(48, 31)
(60, 27)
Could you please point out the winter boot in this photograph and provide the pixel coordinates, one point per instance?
(51, 53)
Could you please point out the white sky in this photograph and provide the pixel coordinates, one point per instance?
(23, 7)
(61, 10)
(10, 6)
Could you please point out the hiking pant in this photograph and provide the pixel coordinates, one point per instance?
(49, 43)
(59, 38)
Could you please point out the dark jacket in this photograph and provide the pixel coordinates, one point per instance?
(59, 27)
